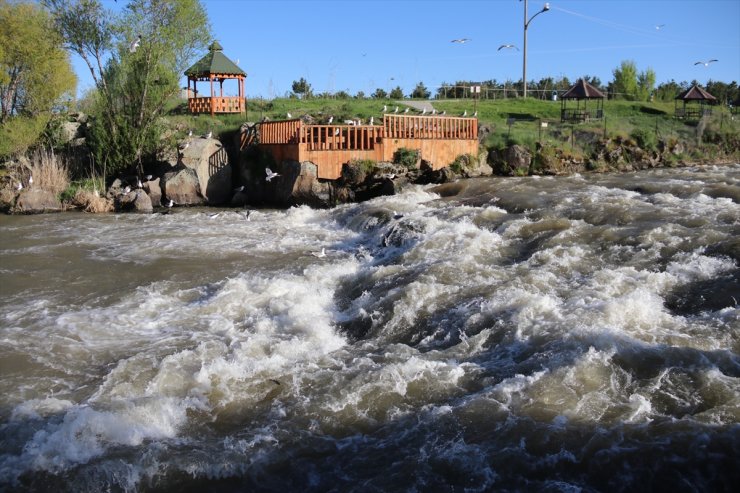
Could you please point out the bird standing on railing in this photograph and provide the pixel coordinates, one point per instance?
(406, 110)
(385, 108)
(289, 115)
(372, 119)
(331, 119)
(424, 110)
(465, 113)
(396, 110)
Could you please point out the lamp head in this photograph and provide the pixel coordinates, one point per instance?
(546, 7)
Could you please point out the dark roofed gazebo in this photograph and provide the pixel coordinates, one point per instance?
(582, 92)
(215, 66)
(694, 99)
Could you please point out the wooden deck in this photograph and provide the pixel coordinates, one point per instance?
(439, 138)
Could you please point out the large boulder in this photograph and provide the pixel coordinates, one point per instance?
(134, 201)
(514, 160)
(154, 190)
(7, 199)
(36, 201)
(182, 187)
(299, 184)
(209, 159)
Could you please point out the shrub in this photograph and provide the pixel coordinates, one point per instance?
(406, 157)
(367, 166)
(644, 138)
(49, 171)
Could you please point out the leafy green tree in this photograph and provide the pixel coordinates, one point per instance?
(396, 93)
(624, 85)
(380, 94)
(645, 84)
(35, 74)
(360, 95)
(302, 88)
(667, 91)
(136, 60)
(421, 91)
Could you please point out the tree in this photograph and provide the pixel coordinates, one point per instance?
(396, 93)
(302, 88)
(421, 92)
(132, 84)
(645, 84)
(380, 94)
(624, 85)
(35, 74)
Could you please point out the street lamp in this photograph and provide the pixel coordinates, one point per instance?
(526, 25)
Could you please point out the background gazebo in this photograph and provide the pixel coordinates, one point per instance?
(696, 103)
(215, 67)
(589, 103)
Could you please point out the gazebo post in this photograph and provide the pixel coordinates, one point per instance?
(210, 76)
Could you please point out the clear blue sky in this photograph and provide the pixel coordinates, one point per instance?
(362, 45)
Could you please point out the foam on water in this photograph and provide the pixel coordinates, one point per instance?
(525, 343)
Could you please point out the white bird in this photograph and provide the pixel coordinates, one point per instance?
(19, 187)
(659, 26)
(247, 214)
(336, 131)
(406, 110)
(138, 183)
(320, 254)
(443, 113)
(434, 111)
(148, 177)
(239, 189)
(460, 40)
(289, 116)
(349, 122)
(475, 113)
(372, 119)
(170, 203)
(135, 44)
(507, 46)
(30, 180)
(209, 134)
(424, 110)
(396, 110)
(270, 174)
(331, 119)
(184, 146)
(465, 113)
(96, 193)
(126, 190)
(190, 132)
(707, 62)
(385, 108)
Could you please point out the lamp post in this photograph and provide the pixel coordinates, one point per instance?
(526, 25)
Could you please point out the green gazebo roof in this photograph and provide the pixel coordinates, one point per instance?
(215, 62)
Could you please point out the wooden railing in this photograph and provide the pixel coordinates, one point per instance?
(693, 113)
(576, 115)
(220, 105)
(280, 132)
(340, 137)
(430, 127)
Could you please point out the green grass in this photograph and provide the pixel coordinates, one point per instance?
(623, 119)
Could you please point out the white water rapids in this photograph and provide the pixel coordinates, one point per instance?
(542, 334)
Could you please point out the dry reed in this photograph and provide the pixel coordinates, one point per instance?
(49, 171)
(90, 202)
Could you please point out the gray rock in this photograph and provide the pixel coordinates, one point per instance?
(514, 160)
(35, 201)
(210, 161)
(71, 131)
(134, 201)
(182, 187)
(153, 189)
(7, 199)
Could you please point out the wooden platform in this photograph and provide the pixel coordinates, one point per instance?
(440, 139)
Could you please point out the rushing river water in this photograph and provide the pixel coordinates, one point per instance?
(520, 334)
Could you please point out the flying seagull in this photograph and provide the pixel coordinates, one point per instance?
(659, 27)
(508, 46)
(706, 64)
(136, 43)
(270, 174)
(460, 40)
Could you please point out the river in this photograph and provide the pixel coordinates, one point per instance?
(555, 334)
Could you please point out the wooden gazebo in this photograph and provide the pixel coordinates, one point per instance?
(696, 103)
(215, 67)
(582, 93)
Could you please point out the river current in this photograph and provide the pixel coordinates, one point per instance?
(555, 334)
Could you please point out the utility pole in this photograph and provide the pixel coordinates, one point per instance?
(526, 26)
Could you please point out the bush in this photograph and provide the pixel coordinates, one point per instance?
(644, 138)
(406, 157)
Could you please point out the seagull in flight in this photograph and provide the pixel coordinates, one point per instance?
(460, 40)
(270, 174)
(659, 27)
(507, 46)
(706, 64)
(135, 44)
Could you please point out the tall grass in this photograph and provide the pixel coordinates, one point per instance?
(49, 171)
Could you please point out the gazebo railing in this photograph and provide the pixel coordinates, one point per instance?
(581, 115)
(693, 113)
(221, 104)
